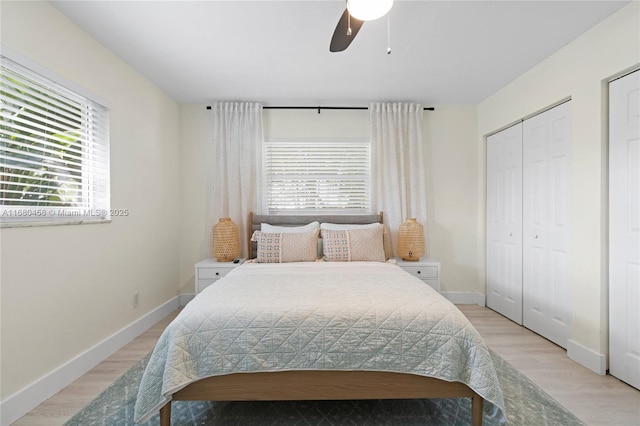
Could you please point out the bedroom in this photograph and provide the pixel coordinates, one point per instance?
(80, 278)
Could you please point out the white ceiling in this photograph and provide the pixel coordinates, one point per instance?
(277, 52)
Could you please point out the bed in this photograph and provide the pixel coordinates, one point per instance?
(318, 330)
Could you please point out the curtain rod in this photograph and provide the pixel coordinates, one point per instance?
(322, 107)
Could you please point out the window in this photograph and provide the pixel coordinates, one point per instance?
(317, 177)
(54, 152)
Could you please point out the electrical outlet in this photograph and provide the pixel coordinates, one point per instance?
(135, 301)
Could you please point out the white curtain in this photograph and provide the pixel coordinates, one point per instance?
(398, 165)
(235, 164)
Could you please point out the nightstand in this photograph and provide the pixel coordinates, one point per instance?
(428, 270)
(209, 271)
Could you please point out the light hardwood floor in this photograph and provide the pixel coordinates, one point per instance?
(596, 400)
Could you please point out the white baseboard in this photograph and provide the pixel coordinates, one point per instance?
(26, 399)
(186, 298)
(465, 298)
(586, 357)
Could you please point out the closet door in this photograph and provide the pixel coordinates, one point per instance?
(624, 228)
(546, 230)
(504, 222)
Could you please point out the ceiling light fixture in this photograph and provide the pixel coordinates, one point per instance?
(368, 10)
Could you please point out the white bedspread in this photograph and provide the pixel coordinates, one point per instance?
(319, 315)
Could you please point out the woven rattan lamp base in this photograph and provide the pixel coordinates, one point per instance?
(226, 240)
(411, 240)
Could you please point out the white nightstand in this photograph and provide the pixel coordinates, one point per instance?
(428, 270)
(209, 271)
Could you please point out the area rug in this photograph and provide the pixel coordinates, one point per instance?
(526, 404)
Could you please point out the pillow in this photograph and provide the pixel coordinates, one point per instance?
(348, 245)
(342, 226)
(265, 227)
(282, 247)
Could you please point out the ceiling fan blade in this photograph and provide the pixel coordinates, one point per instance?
(341, 40)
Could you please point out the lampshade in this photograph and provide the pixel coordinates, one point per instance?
(368, 10)
(226, 240)
(410, 240)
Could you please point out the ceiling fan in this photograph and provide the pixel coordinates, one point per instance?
(356, 13)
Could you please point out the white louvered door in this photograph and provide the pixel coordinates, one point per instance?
(504, 222)
(546, 226)
(624, 228)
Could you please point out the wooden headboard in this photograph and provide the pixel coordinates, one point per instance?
(255, 220)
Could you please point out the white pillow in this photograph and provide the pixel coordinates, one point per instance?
(265, 227)
(343, 226)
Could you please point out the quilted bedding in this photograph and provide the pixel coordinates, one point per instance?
(317, 315)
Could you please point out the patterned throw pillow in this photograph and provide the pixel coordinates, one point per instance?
(349, 245)
(282, 247)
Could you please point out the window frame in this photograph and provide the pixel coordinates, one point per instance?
(91, 176)
(366, 179)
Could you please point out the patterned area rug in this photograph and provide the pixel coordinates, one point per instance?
(526, 404)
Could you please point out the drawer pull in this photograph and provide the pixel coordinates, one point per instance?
(217, 273)
(418, 272)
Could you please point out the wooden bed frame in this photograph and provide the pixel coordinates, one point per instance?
(322, 385)
(325, 384)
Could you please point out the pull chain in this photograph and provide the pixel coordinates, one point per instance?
(388, 33)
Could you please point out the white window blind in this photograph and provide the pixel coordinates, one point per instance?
(318, 176)
(54, 151)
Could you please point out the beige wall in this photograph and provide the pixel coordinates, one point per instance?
(449, 135)
(578, 71)
(66, 288)
(452, 196)
(195, 133)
